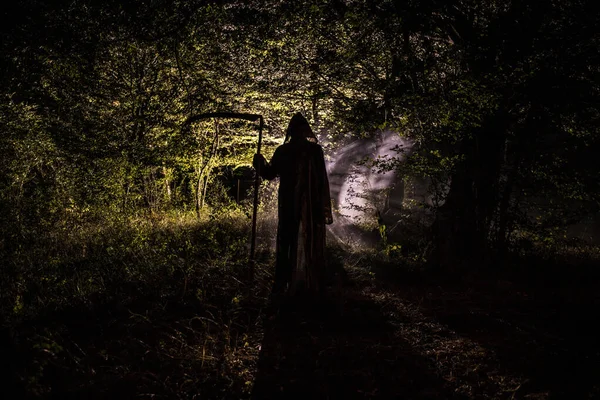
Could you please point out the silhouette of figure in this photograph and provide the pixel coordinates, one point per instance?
(304, 207)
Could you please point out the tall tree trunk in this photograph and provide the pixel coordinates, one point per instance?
(204, 173)
(168, 192)
(205, 186)
(462, 224)
(503, 215)
(199, 191)
(524, 153)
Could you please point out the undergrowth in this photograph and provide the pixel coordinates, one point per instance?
(161, 306)
(133, 305)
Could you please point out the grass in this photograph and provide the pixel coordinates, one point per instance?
(162, 308)
(112, 309)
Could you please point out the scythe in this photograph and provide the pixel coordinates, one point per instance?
(253, 118)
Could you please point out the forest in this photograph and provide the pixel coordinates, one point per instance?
(460, 139)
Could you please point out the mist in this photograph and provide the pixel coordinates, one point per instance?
(366, 196)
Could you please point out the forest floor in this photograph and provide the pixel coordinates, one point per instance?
(381, 333)
(414, 338)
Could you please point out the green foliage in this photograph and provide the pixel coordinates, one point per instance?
(121, 258)
(164, 280)
(499, 99)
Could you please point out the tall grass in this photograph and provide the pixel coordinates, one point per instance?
(87, 305)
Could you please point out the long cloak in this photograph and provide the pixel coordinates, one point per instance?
(304, 208)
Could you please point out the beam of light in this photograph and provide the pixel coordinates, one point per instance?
(360, 192)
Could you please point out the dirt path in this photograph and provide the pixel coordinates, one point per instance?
(416, 340)
(324, 353)
(380, 337)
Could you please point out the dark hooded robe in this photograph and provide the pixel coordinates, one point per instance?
(304, 207)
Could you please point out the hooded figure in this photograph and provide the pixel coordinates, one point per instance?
(304, 207)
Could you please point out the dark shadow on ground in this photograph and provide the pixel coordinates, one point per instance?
(337, 349)
(544, 337)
